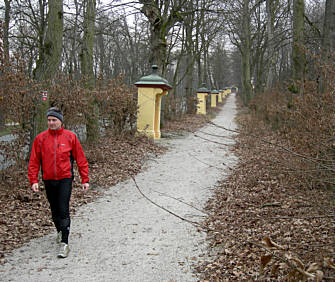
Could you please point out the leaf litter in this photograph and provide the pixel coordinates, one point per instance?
(25, 215)
(263, 224)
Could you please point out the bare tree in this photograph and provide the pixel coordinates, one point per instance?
(50, 54)
(162, 16)
(240, 31)
(246, 52)
(86, 60)
(190, 52)
(328, 42)
(86, 55)
(298, 52)
(6, 28)
(328, 39)
(220, 65)
(72, 41)
(49, 62)
(5, 49)
(27, 35)
(270, 37)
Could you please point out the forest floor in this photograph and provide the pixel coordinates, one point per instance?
(25, 215)
(144, 228)
(263, 224)
(258, 227)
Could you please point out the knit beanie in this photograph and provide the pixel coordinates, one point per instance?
(55, 112)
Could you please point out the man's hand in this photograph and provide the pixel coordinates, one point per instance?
(85, 186)
(35, 188)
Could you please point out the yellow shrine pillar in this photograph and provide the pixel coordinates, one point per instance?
(214, 95)
(201, 99)
(151, 89)
(220, 96)
(225, 93)
(234, 89)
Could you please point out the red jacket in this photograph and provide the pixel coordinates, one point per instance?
(55, 151)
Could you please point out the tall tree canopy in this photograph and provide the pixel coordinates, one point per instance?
(191, 41)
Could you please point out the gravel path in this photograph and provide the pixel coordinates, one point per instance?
(122, 236)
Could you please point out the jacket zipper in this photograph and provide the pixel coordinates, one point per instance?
(55, 156)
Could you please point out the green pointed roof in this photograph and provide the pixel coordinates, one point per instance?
(215, 91)
(203, 89)
(153, 80)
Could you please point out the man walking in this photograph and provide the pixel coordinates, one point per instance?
(54, 151)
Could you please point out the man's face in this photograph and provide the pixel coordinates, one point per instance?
(54, 123)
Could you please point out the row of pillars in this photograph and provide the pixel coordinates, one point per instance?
(151, 89)
(216, 96)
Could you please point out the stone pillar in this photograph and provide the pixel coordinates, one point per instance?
(220, 96)
(225, 93)
(151, 89)
(201, 98)
(214, 95)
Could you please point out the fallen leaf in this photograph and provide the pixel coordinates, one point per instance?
(264, 261)
(269, 243)
(327, 262)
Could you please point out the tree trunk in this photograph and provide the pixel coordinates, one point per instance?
(162, 16)
(298, 54)
(198, 47)
(157, 56)
(86, 59)
(189, 47)
(270, 36)
(158, 48)
(207, 79)
(49, 62)
(50, 56)
(73, 62)
(245, 45)
(328, 40)
(6, 29)
(6, 53)
(86, 56)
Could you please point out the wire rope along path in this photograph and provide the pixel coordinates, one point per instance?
(124, 237)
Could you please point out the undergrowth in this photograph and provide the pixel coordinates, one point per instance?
(272, 219)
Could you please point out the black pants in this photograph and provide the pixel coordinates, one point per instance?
(59, 194)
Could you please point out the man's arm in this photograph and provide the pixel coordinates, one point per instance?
(34, 166)
(82, 163)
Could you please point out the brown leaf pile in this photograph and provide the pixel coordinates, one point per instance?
(186, 123)
(264, 224)
(190, 122)
(118, 157)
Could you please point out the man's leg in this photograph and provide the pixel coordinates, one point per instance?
(51, 192)
(63, 207)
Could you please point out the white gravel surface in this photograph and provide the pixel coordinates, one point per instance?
(122, 236)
